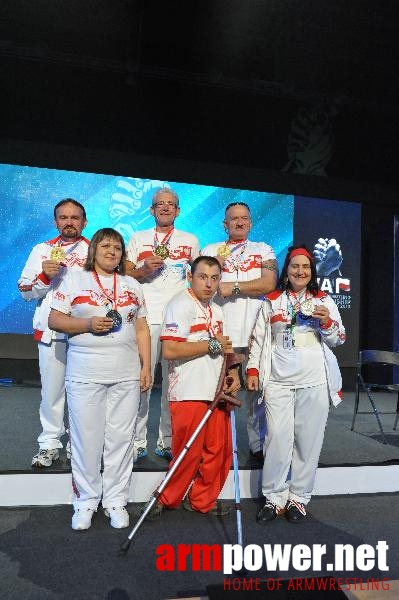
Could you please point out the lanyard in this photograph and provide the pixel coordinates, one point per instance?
(237, 261)
(207, 312)
(97, 280)
(295, 306)
(166, 239)
(67, 247)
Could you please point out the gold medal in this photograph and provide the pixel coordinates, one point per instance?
(58, 254)
(224, 251)
(161, 251)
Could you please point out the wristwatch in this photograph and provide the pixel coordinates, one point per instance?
(214, 347)
(236, 289)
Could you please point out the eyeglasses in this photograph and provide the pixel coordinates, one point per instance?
(162, 204)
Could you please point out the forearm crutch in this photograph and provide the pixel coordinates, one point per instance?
(229, 360)
(236, 477)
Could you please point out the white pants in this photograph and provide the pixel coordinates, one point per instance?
(102, 419)
(296, 420)
(52, 364)
(165, 427)
(256, 420)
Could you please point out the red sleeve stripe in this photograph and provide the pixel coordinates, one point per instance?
(44, 279)
(276, 318)
(200, 327)
(164, 338)
(273, 295)
(144, 255)
(327, 325)
(253, 371)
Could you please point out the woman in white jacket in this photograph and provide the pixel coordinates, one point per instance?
(291, 362)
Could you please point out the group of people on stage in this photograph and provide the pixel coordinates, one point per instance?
(106, 314)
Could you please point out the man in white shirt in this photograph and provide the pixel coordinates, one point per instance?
(159, 258)
(45, 268)
(194, 342)
(249, 271)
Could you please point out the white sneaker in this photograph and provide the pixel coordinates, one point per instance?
(139, 453)
(45, 458)
(118, 515)
(68, 450)
(82, 518)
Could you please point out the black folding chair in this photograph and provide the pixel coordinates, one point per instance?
(383, 359)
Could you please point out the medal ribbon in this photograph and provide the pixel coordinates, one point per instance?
(295, 307)
(207, 312)
(97, 280)
(237, 260)
(166, 238)
(64, 245)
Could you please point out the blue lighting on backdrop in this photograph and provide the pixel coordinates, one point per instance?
(28, 195)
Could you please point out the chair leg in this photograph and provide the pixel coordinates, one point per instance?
(397, 413)
(356, 406)
(375, 411)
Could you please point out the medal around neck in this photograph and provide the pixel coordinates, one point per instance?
(161, 251)
(57, 254)
(306, 309)
(224, 251)
(116, 318)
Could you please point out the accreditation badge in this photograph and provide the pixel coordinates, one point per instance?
(288, 341)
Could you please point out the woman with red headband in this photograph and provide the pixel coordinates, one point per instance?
(291, 362)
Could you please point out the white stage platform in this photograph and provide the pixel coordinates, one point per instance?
(45, 488)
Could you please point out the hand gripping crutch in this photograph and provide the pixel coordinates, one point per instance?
(229, 360)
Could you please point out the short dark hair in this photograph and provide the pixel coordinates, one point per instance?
(211, 261)
(69, 201)
(99, 236)
(237, 204)
(283, 282)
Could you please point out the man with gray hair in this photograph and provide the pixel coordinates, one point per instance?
(159, 258)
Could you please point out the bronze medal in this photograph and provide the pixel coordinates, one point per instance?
(161, 251)
(224, 251)
(58, 254)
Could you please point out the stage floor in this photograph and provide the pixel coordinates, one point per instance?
(41, 558)
(20, 426)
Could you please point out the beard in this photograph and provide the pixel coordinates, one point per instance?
(69, 232)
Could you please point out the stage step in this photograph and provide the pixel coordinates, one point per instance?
(49, 488)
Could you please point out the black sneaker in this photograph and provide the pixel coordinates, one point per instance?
(155, 513)
(295, 512)
(267, 513)
(258, 455)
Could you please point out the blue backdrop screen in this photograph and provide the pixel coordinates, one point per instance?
(29, 194)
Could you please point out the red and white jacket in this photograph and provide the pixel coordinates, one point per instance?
(34, 285)
(275, 310)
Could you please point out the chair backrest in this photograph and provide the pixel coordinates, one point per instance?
(381, 357)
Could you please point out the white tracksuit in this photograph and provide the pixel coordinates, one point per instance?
(103, 387)
(158, 289)
(240, 312)
(298, 383)
(34, 285)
